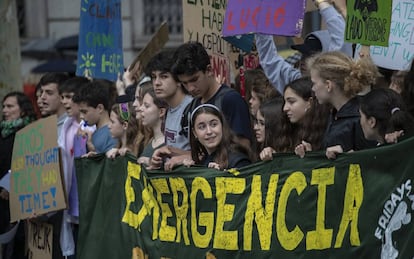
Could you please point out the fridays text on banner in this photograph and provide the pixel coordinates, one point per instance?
(357, 206)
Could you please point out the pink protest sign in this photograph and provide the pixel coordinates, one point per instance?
(278, 17)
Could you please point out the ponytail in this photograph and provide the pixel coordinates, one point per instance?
(401, 120)
(363, 74)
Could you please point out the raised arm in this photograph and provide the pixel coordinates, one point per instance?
(336, 27)
(277, 70)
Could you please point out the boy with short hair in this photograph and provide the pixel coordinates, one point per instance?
(193, 69)
(50, 100)
(169, 89)
(50, 97)
(94, 106)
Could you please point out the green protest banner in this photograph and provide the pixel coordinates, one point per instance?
(357, 206)
(368, 22)
(35, 182)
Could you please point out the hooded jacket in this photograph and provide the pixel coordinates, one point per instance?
(280, 72)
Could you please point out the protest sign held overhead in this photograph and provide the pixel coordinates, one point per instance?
(100, 53)
(368, 22)
(264, 16)
(203, 22)
(400, 51)
(157, 42)
(35, 182)
(360, 205)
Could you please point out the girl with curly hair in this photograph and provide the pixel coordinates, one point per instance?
(337, 80)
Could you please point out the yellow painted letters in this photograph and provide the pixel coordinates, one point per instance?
(289, 240)
(262, 216)
(354, 194)
(226, 239)
(178, 185)
(205, 219)
(167, 233)
(321, 238)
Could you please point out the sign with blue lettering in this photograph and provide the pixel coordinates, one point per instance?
(100, 39)
(35, 182)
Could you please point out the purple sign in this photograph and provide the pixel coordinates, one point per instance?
(277, 17)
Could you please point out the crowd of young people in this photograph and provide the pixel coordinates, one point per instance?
(179, 114)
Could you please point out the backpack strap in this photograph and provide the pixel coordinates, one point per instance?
(186, 116)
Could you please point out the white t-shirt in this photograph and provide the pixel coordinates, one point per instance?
(173, 126)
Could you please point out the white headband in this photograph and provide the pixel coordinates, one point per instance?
(202, 106)
(394, 110)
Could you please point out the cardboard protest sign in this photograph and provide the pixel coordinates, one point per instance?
(40, 240)
(203, 22)
(100, 39)
(36, 182)
(264, 16)
(368, 22)
(157, 42)
(400, 51)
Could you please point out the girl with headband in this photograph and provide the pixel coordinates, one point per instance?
(124, 128)
(212, 141)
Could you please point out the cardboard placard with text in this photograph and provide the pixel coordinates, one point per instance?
(157, 42)
(39, 240)
(400, 51)
(203, 22)
(368, 22)
(36, 181)
(100, 53)
(264, 16)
